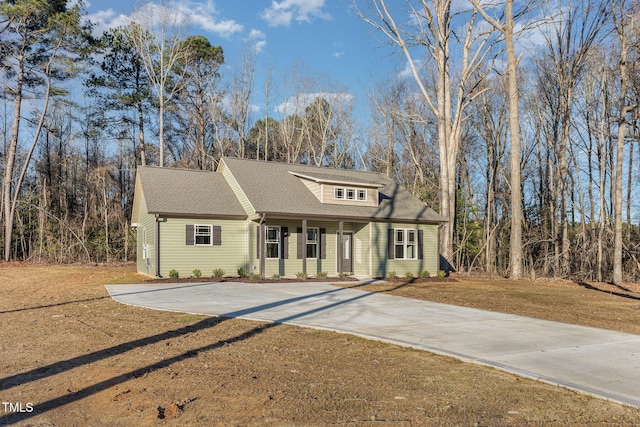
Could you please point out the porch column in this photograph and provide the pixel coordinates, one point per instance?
(304, 246)
(263, 247)
(340, 247)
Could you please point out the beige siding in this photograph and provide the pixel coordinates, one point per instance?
(235, 187)
(383, 265)
(176, 254)
(328, 196)
(314, 187)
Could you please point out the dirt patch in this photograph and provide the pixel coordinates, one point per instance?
(71, 356)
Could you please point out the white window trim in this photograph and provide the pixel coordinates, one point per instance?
(267, 242)
(195, 234)
(317, 242)
(405, 243)
(345, 190)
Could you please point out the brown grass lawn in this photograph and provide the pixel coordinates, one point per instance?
(79, 358)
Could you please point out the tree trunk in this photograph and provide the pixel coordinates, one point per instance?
(515, 242)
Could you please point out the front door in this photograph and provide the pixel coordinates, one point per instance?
(347, 252)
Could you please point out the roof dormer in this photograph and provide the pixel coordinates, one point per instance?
(333, 188)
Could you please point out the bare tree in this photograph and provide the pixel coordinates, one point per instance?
(156, 32)
(622, 28)
(506, 27)
(429, 25)
(579, 26)
(240, 97)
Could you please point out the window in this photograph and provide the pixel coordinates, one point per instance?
(405, 244)
(273, 242)
(351, 193)
(203, 235)
(312, 243)
(342, 193)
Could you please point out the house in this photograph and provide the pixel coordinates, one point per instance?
(280, 219)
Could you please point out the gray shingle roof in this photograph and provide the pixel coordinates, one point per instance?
(188, 192)
(272, 188)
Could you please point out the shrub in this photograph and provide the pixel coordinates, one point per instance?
(392, 275)
(322, 275)
(174, 274)
(254, 276)
(218, 272)
(276, 276)
(302, 276)
(442, 273)
(197, 273)
(408, 275)
(343, 275)
(425, 274)
(243, 272)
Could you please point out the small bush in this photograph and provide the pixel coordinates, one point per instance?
(243, 272)
(174, 274)
(392, 275)
(408, 275)
(197, 273)
(322, 275)
(254, 276)
(276, 276)
(425, 274)
(302, 276)
(442, 273)
(218, 272)
(343, 275)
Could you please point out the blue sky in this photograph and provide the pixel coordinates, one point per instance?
(336, 48)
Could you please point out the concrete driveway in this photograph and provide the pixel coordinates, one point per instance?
(598, 362)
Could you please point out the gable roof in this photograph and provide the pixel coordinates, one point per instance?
(274, 188)
(170, 191)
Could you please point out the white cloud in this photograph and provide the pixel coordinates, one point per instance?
(339, 51)
(104, 20)
(297, 103)
(201, 15)
(406, 72)
(257, 39)
(283, 12)
(205, 16)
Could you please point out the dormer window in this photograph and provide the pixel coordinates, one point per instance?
(346, 193)
(351, 194)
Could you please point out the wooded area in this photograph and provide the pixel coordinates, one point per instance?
(530, 157)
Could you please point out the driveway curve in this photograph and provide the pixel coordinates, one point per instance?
(594, 361)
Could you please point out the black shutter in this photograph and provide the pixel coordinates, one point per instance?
(284, 240)
(300, 245)
(323, 243)
(190, 235)
(258, 242)
(391, 249)
(420, 244)
(216, 238)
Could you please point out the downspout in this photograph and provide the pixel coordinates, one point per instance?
(157, 242)
(263, 244)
